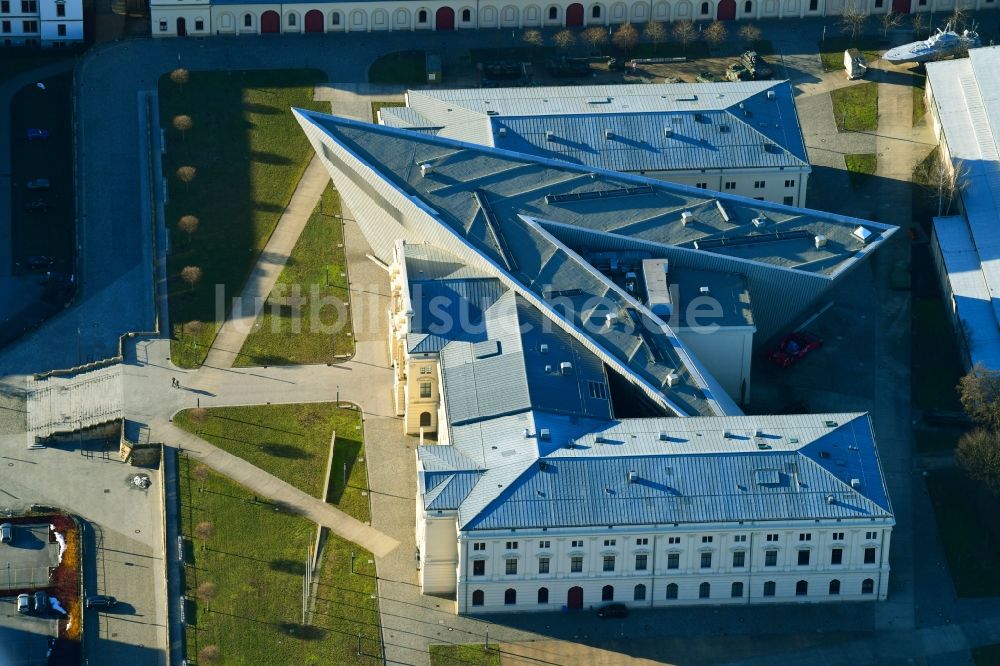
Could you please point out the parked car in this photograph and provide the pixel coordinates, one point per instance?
(101, 601)
(6, 533)
(40, 261)
(36, 206)
(23, 603)
(37, 134)
(612, 610)
(41, 602)
(38, 184)
(794, 348)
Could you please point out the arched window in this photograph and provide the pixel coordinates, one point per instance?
(802, 588)
(737, 590)
(769, 588)
(425, 419)
(595, 12)
(608, 593)
(247, 21)
(543, 595)
(748, 6)
(704, 591)
(335, 19)
(477, 597)
(639, 594)
(422, 16)
(672, 591)
(553, 13)
(867, 586)
(466, 15)
(510, 596)
(834, 586)
(704, 9)
(291, 20)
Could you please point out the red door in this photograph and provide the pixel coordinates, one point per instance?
(181, 27)
(314, 21)
(574, 16)
(444, 19)
(574, 599)
(901, 6)
(727, 10)
(270, 22)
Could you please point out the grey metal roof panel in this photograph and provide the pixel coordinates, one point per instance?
(447, 459)
(728, 292)
(404, 116)
(453, 309)
(449, 494)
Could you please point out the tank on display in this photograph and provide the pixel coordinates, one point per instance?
(944, 44)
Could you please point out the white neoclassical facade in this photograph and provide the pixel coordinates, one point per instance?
(172, 18)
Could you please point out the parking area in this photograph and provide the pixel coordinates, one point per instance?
(24, 639)
(25, 562)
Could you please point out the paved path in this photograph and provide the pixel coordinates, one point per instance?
(248, 306)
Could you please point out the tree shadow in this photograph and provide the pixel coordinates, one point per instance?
(345, 455)
(303, 631)
(263, 109)
(285, 451)
(293, 567)
(268, 158)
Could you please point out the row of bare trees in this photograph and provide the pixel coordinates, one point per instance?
(854, 19)
(186, 174)
(627, 36)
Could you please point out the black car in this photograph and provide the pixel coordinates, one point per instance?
(101, 601)
(37, 206)
(612, 610)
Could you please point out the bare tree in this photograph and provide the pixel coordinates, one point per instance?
(888, 21)
(180, 76)
(978, 454)
(182, 124)
(191, 275)
(199, 415)
(209, 654)
(192, 329)
(206, 591)
(948, 181)
(595, 37)
(917, 24)
(684, 32)
(959, 18)
(852, 20)
(625, 38)
(716, 33)
(204, 529)
(533, 38)
(979, 392)
(188, 224)
(200, 473)
(655, 32)
(186, 174)
(750, 34)
(564, 39)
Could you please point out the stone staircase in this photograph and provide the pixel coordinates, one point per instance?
(67, 404)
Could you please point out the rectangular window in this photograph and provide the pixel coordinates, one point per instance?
(5, 6)
(789, 183)
(5, 26)
(837, 556)
(814, 4)
(610, 542)
(740, 538)
(871, 536)
(543, 565)
(511, 545)
(425, 389)
(30, 26)
(673, 560)
(805, 537)
(609, 563)
(706, 560)
(869, 556)
(838, 536)
(577, 544)
(759, 184)
(576, 564)
(878, 4)
(772, 537)
(706, 539)
(730, 185)
(673, 540)
(739, 559)
(702, 186)
(479, 545)
(640, 562)
(598, 390)
(769, 588)
(803, 558)
(511, 568)
(788, 201)
(642, 542)
(478, 567)
(425, 370)
(61, 29)
(544, 544)
(60, 9)
(770, 558)
(163, 25)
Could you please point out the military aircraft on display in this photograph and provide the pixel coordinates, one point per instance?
(945, 43)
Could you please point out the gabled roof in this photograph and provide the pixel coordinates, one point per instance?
(660, 127)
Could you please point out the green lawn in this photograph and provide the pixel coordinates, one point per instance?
(831, 50)
(474, 654)
(255, 555)
(316, 272)
(988, 655)
(381, 105)
(919, 105)
(935, 375)
(855, 107)
(402, 67)
(292, 442)
(249, 153)
(860, 166)
(966, 518)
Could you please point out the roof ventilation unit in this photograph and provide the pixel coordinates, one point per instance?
(668, 131)
(759, 221)
(633, 476)
(543, 348)
(549, 136)
(548, 369)
(704, 291)
(608, 134)
(570, 443)
(770, 95)
(830, 499)
(426, 168)
(542, 465)
(673, 379)
(820, 241)
(663, 436)
(610, 319)
(686, 217)
(502, 132)
(727, 435)
(565, 367)
(545, 435)
(862, 235)
(856, 483)
(747, 114)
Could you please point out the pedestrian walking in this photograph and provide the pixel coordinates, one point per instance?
(174, 382)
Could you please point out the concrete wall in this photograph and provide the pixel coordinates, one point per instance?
(438, 554)
(784, 187)
(727, 354)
